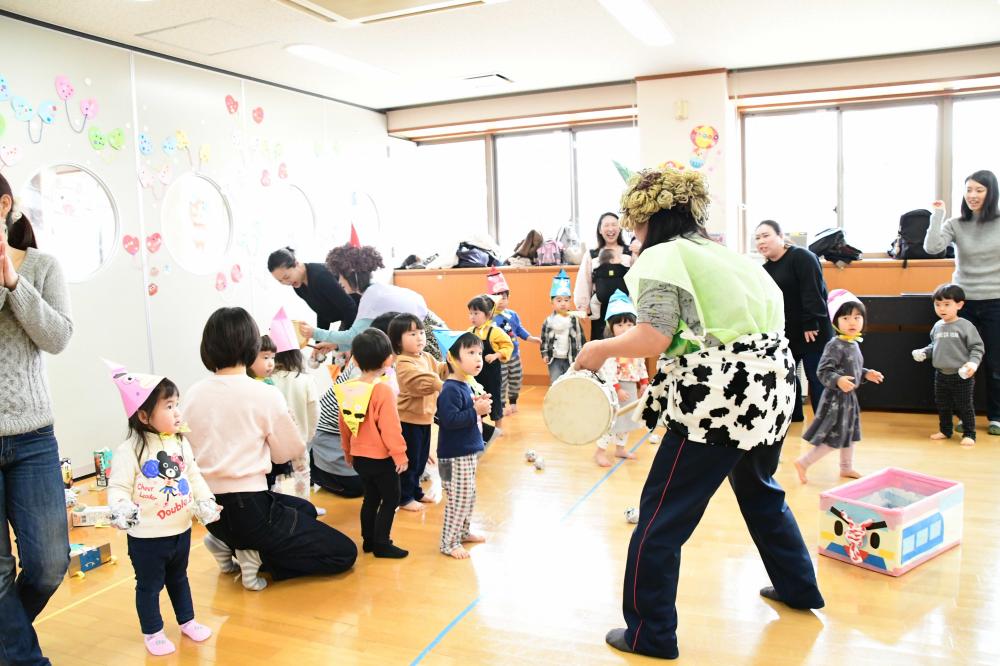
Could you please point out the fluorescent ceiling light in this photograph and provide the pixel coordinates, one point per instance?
(639, 18)
(333, 60)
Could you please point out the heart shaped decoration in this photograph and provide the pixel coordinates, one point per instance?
(265, 178)
(131, 244)
(88, 108)
(166, 174)
(152, 289)
(22, 109)
(236, 273)
(282, 171)
(64, 88)
(47, 112)
(170, 145)
(116, 138)
(258, 115)
(4, 90)
(97, 139)
(145, 178)
(231, 104)
(145, 144)
(182, 140)
(220, 282)
(153, 243)
(279, 151)
(10, 155)
(154, 271)
(204, 153)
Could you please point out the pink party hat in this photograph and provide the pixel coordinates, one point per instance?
(836, 299)
(496, 283)
(282, 332)
(135, 388)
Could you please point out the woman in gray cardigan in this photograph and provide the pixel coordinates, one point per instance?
(976, 235)
(34, 317)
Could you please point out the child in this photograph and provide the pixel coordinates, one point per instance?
(460, 441)
(562, 334)
(154, 489)
(510, 323)
(263, 366)
(302, 397)
(838, 417)
(420, 378)
(956, 350)
(497, 349)
(607, 278)
(372, 438)
(627, 375)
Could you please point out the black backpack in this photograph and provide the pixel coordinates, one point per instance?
(909, 243)
(607, 278)
(831, 245)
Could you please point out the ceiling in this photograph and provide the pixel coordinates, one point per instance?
(537, 44)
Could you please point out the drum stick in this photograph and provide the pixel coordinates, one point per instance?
(628, 408)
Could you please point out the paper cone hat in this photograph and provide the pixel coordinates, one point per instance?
(619, 303)
(134, 388)
(355, 241)
(560, 285)
(283, 332)
(496, 283)
(446, 339)
(836, 300)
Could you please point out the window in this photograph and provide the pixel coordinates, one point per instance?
(976, 142)
(534, 185)
(890, 167)
(790, 161)
(446, 186)
(599, 186)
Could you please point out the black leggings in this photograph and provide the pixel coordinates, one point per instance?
(381, 485)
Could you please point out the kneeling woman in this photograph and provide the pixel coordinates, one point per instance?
(724, 388)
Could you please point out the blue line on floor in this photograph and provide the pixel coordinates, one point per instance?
(475, 602)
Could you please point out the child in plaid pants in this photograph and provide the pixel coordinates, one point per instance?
(460, 442)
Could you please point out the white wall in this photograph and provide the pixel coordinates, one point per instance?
(330, 151)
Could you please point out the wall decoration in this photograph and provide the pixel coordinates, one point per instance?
(3, 125)
(204, 154)
(116, 138)
(232, 105)
(130, 243)
(88, 107)
(145, 144)
(153, 243)
(196, 223)
(9, 155)
(258, 115)
(152, 289)
(169, 146)
(220, 282)
(236, 273)
(74, 217)
(97, 139)
(265, 178)
(23, 110)
(282, 171)
(704, 138)
(4, 90)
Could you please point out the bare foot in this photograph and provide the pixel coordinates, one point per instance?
(601, 458)
(473, 538)
(459, 553)
(412, 505)
(968, 442)
(513, 409)
(499, 425)
(851, 474)
(940, 435)
(507, 411)
(427, 499)
(801, 471)
(620, 452)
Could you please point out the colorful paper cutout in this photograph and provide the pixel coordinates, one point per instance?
(170, 146)
(88, 108)
(23, 110)
(145, 144)
(64, 89)
(116, 138)
(10, 155)
(130, 243)
(47, 112)
(152, 289)
(231, 104)
(220, 282)
(153, 242)
(236, 273)
(258, 115)
(97, 139)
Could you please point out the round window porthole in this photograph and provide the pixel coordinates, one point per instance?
(290, 221)
(74, 218)
(197, 223)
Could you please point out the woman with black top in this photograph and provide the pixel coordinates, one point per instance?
(609, 237)
(807, 326)
(315, 285)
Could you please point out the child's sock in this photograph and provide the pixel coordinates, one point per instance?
(390, 550)
(195, 631)
(847, 463)
(158, 644)
(222, 553)
(249, 567)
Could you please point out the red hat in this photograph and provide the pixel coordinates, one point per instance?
(496, 283)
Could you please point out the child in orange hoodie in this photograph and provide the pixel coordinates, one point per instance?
(372, 438)
(420, 378)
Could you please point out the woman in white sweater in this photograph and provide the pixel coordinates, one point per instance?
(34, 318)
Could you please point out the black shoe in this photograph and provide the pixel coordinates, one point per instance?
(391, 551)
(770, 593)
(366, 547)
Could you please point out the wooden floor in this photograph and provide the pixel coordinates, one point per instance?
(547, 585)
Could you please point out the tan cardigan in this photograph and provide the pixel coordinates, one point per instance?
(420, 379)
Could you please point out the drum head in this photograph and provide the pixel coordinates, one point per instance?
(579, 409)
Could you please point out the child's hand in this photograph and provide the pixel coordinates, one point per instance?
(432, 459)
(306, 330)
(875, 376)
(489, 358)
(483, 404)
(124, 515)
(534, 338)
(622, 396)
(206, 511)
(967, 370)
(401, 467)
(938, 205)
(919, 355)
(321, 348)
(845, 384)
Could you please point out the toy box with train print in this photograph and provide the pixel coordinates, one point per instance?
(891, 521)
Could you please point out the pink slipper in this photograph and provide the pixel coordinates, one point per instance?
(195, 631)
(158, 644)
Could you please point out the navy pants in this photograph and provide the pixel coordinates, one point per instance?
(157, 562)
(986, 317)
(683, 477)
(418, 450)
(810, 363)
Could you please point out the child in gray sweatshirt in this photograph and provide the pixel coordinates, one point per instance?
(956, 350)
